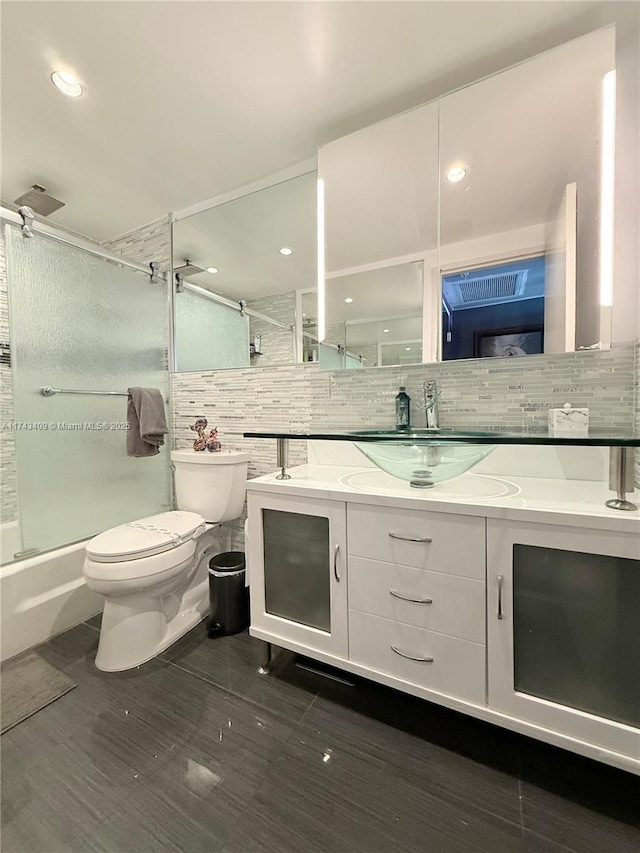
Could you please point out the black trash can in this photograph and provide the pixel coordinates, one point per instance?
(228, 595)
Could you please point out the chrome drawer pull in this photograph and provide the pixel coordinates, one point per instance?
(335, 563)
(410, 538)
(500, 583)
(396, 594)
(411, 657)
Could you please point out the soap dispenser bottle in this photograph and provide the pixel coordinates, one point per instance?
(403, 414)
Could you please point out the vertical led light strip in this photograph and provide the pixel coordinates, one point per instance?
(607, 178)
(321, 305)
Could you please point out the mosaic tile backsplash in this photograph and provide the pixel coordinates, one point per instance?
(507, 394)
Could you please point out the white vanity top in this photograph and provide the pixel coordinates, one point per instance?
(574, 503)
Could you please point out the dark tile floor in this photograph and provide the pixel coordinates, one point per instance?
(196, 752)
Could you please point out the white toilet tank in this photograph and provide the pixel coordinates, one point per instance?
(211, 484)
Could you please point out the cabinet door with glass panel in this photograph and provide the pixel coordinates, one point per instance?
(564, 647)
(297, 567)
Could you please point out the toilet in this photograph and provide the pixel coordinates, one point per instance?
(153, 571)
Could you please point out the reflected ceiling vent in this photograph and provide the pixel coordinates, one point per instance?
(484, 288)
(39, 201)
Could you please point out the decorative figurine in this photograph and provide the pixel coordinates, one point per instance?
(213, 442)
(209, 442)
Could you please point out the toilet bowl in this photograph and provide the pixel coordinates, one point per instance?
(153, 571)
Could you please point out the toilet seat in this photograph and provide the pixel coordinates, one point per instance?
(144, 552)
(145, 537)
(143, 572)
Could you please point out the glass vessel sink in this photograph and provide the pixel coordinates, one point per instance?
(425, 461)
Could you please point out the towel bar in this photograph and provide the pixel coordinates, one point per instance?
(48, 391)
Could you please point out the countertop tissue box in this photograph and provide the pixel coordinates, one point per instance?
(568, 421)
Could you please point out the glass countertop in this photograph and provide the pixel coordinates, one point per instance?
(483, 435)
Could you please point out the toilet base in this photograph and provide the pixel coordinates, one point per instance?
(135, 627)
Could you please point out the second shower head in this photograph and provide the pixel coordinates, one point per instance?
(187, 269)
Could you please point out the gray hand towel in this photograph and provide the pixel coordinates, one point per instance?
(147, 422)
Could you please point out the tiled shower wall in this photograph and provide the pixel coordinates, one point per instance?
(277, 345)
(150, 243)
(506, 394)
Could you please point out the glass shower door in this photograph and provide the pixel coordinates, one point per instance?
(78, 321)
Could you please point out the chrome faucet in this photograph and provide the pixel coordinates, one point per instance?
(430, 391)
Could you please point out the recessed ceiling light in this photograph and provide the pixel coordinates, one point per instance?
(286, 250)
(67, 83)
(455, 174)
(386, 330)
(348, 300)
(408, 349)
(212, 270)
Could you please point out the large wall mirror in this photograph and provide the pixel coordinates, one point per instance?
(239, 271)
(497, 197)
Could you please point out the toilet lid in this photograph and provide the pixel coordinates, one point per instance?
(145, 537)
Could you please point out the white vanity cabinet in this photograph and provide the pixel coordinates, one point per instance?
(564, 630)
(526, 618)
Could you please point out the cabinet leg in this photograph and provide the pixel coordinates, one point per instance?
(265, 666)
(283, 458)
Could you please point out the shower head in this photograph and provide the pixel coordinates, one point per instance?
(182, 272)
(187, 269)
(39, 200)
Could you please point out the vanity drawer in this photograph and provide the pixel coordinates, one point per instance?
(444, 603)
(455, 544)
(457, 667)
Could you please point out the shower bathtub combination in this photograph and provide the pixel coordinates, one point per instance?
(100, 326)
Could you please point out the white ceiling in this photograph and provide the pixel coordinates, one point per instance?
(186, 100)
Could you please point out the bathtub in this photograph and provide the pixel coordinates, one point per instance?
(41, 596)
